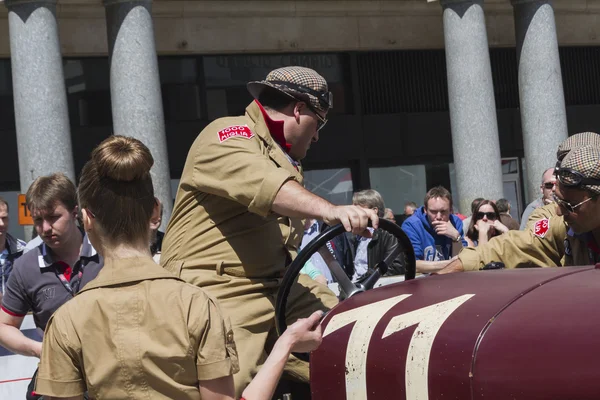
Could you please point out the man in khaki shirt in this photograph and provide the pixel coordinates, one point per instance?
(237, 220)
(563, 234)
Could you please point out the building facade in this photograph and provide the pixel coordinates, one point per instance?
(469, 94)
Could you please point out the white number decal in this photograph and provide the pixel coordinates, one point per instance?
(366, 318)
(429, 319)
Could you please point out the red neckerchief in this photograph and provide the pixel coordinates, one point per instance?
(275, 128)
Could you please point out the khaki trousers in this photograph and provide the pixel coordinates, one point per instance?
(250, 306)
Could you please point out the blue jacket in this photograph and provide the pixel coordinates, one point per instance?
(428, 245)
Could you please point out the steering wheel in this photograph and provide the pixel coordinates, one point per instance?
(346, 286)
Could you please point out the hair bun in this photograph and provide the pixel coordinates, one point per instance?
(122, 159)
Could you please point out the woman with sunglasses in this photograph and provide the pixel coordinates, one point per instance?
(485, 224)
(137, 330)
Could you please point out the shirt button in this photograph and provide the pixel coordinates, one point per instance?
(229, 337)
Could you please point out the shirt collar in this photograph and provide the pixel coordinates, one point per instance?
(128, 270)
(275, 128)
(45, 253)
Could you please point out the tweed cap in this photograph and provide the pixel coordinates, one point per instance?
(300, 83)
(585, 161)
(575, 141)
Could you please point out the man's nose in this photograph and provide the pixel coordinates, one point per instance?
(46, 226)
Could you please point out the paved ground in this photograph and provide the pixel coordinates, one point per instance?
(16, 371)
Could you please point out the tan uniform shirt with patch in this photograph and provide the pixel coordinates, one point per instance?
(222, 217)
(547, 211)
(556, 246)
(136, 331)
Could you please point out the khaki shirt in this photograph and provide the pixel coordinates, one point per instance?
(547, 211)
(222, 217)
(135, 331)
(553, 245)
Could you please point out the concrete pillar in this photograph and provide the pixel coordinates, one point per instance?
(135, 87)
(543, 114)
(472, 105)
(40, 98)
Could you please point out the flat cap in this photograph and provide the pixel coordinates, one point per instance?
(300, 83)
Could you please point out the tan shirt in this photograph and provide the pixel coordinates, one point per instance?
(222, 217)
(553, 246)
(136, 331)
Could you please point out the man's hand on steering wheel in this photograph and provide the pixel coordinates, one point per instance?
(354, 218)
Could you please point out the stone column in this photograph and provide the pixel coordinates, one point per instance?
(543, 114)
(137, 109)
(472, 105)
(40, 97)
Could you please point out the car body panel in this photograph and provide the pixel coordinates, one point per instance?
(546, 344)
(456, 310)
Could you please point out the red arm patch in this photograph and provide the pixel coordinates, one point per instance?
(233, 131)
(541, 227)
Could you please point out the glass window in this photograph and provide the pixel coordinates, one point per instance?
(180, 88)
(399, 185)
(511, 179)
(5, 78)
(226, 77)
(511, 186)
(7, 107)
(178, 70)
(88, 91)
(334, 185)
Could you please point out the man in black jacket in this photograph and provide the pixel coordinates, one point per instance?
(359, 255)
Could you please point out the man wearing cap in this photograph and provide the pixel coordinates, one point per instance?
(237, 219)
(572, 142)
(570, 237)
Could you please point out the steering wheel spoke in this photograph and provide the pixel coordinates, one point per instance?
(338, 272)
(346, 285)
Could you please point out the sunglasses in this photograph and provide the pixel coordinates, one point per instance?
(568, 207)
(571, 178)
(548, 185)
(321, 120)
(489, 215)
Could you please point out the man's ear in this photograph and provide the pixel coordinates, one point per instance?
(298, 110)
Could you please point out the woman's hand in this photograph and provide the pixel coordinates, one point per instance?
(305, 334)
(482, 226)
(500, 227)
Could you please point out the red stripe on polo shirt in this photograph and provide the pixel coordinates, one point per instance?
(12, 313)
(66, 270)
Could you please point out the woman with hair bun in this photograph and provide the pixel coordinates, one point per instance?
(137, 330)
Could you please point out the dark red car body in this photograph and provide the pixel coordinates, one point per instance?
(504, 334)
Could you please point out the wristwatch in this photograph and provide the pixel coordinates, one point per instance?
(458, 239)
